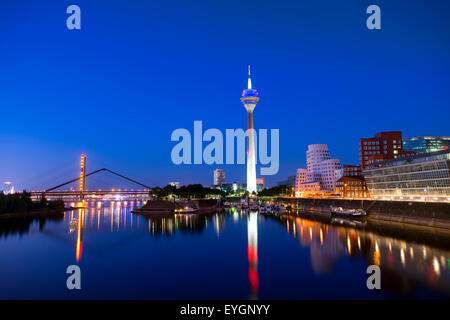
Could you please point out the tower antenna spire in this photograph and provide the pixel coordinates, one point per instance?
(249, 86)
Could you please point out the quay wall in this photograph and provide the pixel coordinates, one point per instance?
(431, 214)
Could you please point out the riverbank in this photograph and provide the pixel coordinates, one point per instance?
(430, 214)
(38, 213)
(41, 213)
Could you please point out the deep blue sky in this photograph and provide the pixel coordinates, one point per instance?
(137, 70)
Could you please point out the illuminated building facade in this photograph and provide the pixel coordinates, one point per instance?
(426, 144)
(300, 177)
(352, 183)
(315, 154)
(352, 187)
(321, 168)
(422, 177)
(350, 170)
(249, 99)
(82, 175)
(328, 171)
(310, 187)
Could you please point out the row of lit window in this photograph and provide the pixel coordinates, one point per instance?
(407, 192)
(412, 184)
(427, 175)
(408, 169)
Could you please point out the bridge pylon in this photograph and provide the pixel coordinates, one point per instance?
(82, 176)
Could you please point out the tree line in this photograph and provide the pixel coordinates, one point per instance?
(22, 203)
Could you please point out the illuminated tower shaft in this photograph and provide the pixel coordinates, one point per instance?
(249, 99)
(82, 176)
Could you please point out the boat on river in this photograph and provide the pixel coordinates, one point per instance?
(345, 212)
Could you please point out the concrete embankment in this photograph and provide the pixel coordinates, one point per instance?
(431, 214)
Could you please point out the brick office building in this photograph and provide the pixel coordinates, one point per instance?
(383, 146)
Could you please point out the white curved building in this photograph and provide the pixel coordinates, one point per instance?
(321, 168)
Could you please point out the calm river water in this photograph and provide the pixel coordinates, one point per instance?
(231, 255)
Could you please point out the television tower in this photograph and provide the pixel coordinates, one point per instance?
(249, 99)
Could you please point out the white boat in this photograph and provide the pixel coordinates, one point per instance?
(347, 212)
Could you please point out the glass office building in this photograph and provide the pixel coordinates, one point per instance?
(424, 177)
(426, 144)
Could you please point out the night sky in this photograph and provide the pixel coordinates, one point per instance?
(137, 70)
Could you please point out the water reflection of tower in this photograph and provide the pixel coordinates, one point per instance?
(80, 234)
(252, 231)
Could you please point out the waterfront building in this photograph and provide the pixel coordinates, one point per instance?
(300, 178)
(249, 99)
(352, 183)
(310, 187)
(260, 183)
(350, 170)
(219, 177)
(426, 144)
(383, 146)
(328, 170)
(315, 154)
(421, 177)
(321, 168)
